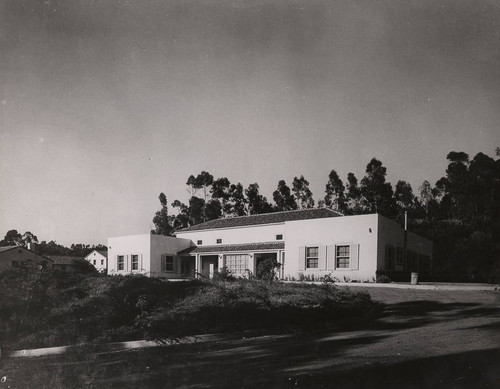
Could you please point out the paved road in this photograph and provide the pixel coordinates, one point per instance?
(425, 339)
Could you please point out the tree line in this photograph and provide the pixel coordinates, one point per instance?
(15, 238)
(460, 212)
(218, 198)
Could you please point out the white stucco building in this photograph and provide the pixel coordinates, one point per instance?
(99, 259)
(308, 243)
(151, 255)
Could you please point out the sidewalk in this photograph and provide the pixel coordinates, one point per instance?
(419, 286)
(423, 286)
(107, 348)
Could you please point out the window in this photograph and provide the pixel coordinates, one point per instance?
(312, 257)
(236, 263)
(279, 237)
(121, 262)
(199, 242)
(167, 263)
(219, 241)
(102, 261)
(342, 254)
(94, 262)
(135, 262)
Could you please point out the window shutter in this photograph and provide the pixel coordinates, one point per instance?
(354, 257)
(302, 258)
(330, 257)
(163, 263)
(322, 258)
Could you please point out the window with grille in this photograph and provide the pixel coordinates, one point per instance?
(135, 262)
(121, 262)
(236, 263)
(312, 258)
(342, 254)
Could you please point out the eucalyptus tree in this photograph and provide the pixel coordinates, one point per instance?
(162, 220)
(302, 193)
(354, 204)
(257, 203)
(283, 198)
(335, 193)
(377, 193)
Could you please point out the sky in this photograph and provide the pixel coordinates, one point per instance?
(104, 104)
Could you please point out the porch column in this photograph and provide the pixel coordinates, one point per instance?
(221, 261)
(281, 260)
(251, 263)
(197, 265)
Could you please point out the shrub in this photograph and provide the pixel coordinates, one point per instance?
(328, 279)
(79, 309)
(267, 269)
(254, 304)
(223, 275)
(82, 266)
(383, 279)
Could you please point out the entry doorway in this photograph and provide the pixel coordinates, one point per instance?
(206, 261)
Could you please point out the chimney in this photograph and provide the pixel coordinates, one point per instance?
(32, 246)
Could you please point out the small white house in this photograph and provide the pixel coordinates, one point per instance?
(99, 259)
(308, 243)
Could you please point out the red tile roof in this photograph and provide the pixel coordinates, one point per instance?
(227, 248)
(265, 218)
